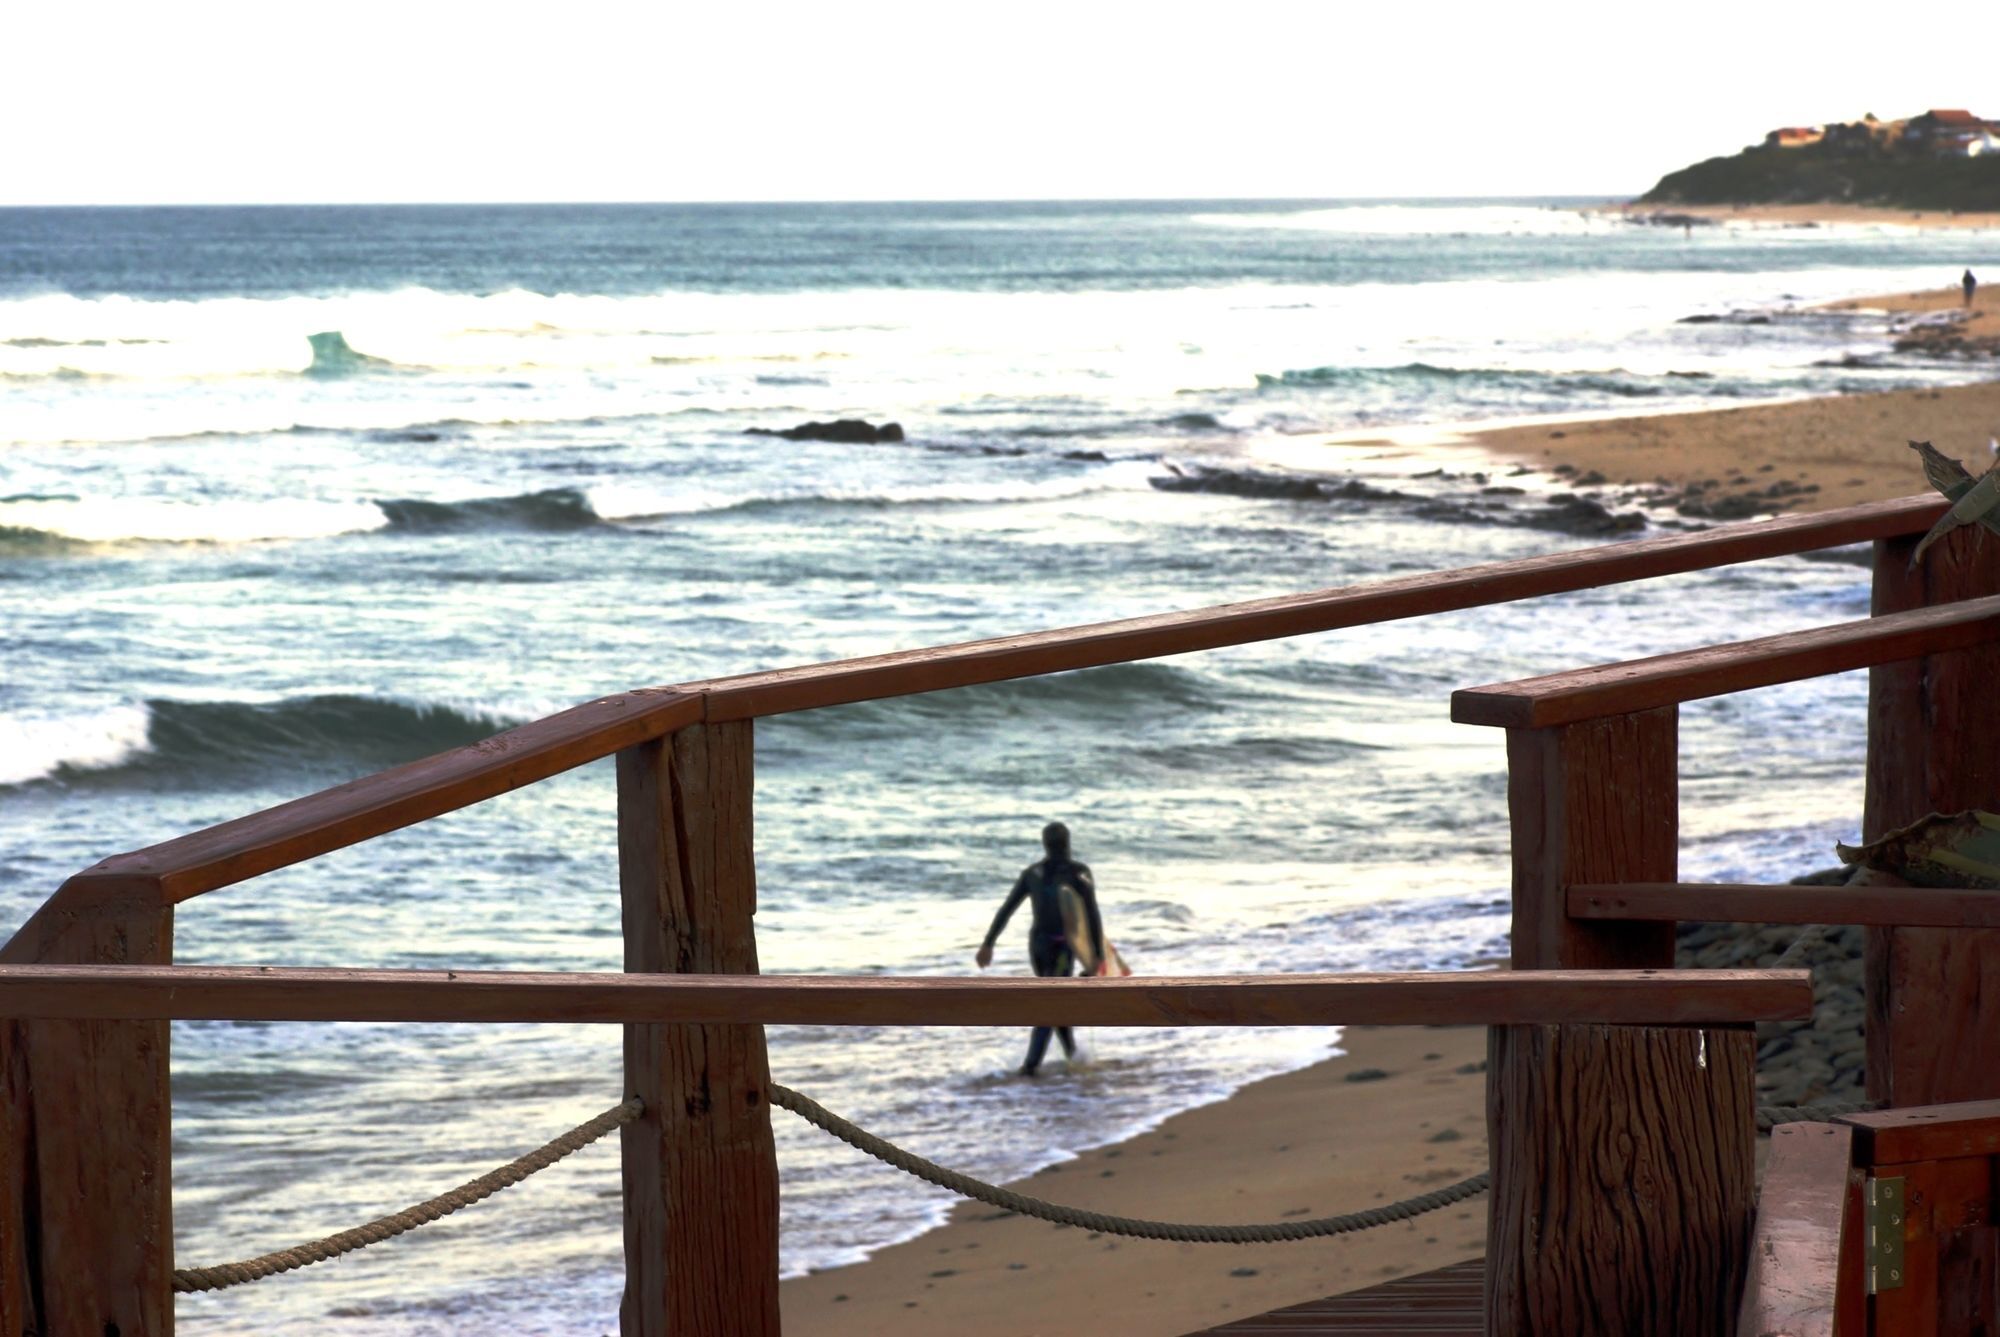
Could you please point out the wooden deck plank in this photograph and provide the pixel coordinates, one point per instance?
(1446, 1301)
(1796, 1247)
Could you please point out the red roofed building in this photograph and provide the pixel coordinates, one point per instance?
(1943, 128)
(1794, 136)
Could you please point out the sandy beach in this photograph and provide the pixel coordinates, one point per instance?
(1327, 1139)
(1400, 1112)
(1808, 455)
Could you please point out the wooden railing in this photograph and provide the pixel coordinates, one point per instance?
(1879, 1225)
(85, 1205)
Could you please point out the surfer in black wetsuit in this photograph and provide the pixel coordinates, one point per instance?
(1049, 948)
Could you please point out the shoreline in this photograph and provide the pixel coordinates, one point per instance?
(1721, 464)
(1395, 1110)
(1760, 459)
(1398, 1111)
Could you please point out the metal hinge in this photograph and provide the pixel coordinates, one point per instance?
(1885, 1234)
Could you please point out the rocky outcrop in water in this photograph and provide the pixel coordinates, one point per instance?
(843, 431)
(1564, 513)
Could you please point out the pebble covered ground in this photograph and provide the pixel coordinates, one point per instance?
(1798, 1062)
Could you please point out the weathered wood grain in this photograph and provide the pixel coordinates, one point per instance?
(1752, 903)
(1933, 1027)
(1622, 1195)
(1418, 998)
(700, 1166)
(86, 1204)
(1592, 802)
(1794, 1281)
(1716, 670)
(1589, 1222)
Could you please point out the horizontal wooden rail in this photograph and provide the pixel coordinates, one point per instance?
(914, 671)
(1664, 680)
(1751, 903)
(268, 993)
(389, 800)
(334, 818)
(1927, 1132)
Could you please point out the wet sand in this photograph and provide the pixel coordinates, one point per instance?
(1325, 1140)
(1314, 1142)
(1808, 455)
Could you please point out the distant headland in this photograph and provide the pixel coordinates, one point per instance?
(1945, 159)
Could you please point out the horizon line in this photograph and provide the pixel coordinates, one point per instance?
(1604, 196)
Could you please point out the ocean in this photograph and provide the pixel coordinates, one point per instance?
(288, 495)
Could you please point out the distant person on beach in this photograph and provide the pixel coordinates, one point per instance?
(1050, 950)
(1970, 286)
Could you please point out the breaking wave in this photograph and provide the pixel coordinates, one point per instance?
(205, 742)
(1615, 382)
(54, 525)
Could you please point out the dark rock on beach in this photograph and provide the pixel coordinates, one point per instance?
(1568, 513)
(1798, 1062)
(845, 431)
(1257, 483)
(1582, 516)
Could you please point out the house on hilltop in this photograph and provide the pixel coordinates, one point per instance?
(1794, 137)
(1951, 131)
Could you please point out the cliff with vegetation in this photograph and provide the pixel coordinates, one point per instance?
(1940, 160)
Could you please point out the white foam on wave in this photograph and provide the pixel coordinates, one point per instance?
(159, 520)
(1418, 220)
(38, 746)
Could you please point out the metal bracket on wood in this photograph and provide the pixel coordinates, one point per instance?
(1885, 1235)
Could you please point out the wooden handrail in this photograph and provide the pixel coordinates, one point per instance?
(264, 993)
(910, 672)
(1751, 903)
(1664, 680)
(373, 805)
(1928, 1132)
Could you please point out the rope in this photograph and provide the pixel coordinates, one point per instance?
(993, 1196)
(196, 1279)
(388, 1227)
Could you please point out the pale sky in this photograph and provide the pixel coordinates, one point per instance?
(195, 101)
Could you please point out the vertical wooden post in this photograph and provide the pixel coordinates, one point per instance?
(86, 1179)
(1933, 746)
(700, 1168)
(1622, 1155)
